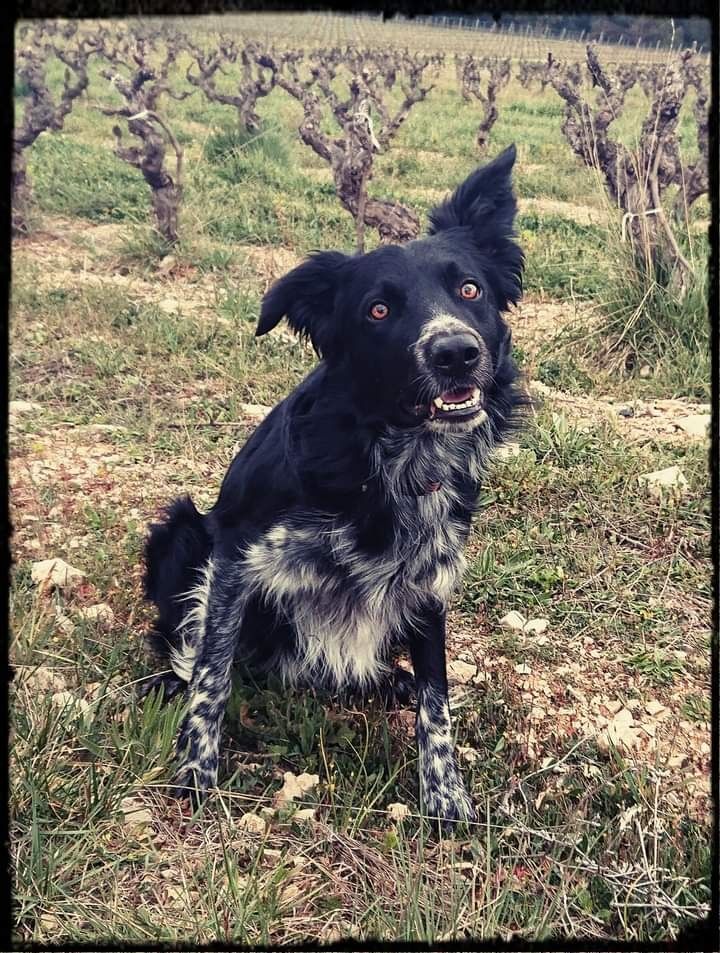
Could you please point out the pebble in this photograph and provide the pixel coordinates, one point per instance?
(694, 425)
(461, 671)
(167, 264)
(536, 626)
(670, 481)
(135, 813)
(23, 406)
(101, 613)
(295, 787)
(44, 679)
(67, 701)
(505, 451)
(398, 811)
(169, 306)
(252, 823)
(55, 572)
(513, 621)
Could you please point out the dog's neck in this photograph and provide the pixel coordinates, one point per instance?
(417, 461)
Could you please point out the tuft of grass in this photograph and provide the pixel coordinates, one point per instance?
(650, 324)
(231, 143)
(72, 177)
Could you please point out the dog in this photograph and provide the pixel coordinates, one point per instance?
(337, 538)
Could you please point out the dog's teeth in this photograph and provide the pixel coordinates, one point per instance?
(438, 402)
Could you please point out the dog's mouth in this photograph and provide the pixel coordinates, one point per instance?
(461, 404)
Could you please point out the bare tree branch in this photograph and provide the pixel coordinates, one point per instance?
(147, 59)
(44, 112)
(635, 178)
(365, 123)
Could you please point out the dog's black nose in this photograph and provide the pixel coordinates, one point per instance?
(454, 353)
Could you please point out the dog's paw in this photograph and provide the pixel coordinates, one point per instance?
(166, 682)
(192, 783)
(447, 802)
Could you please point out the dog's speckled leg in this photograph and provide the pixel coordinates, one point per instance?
(207, 695)
(442, 789)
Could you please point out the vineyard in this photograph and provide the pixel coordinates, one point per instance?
(165, 173)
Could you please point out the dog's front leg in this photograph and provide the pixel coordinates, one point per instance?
(207, 695)
(442, 789)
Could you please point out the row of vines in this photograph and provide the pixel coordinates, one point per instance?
(364, 96)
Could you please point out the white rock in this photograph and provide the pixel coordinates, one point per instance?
(507, 450)
(169, 306)
(69, 702)
(23, 406)
(55, 572)
(461, 671)
(513, 621)
(252, 823)
(398, 811)
(295, 787)
(670, 481)
(536, 626)
(523, 669)
(645, 370)
(540, 388)
(42, 680)
(64, 622)
(135, 813)
(255, 412)
(305, 815)
(101, 613)
(654, 708)
(621, 732)
(167, 264)
(467, 754)
(694, 425)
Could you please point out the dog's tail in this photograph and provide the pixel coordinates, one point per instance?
(178, 571)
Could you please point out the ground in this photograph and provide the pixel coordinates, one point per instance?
(583, 726)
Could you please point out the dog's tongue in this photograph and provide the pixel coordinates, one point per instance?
(457, 396)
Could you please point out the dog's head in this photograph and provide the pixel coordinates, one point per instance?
(416, 330)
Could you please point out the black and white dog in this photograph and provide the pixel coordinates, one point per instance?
(337, 539)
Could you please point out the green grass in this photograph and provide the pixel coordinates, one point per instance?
(575, 837)
(71, 177)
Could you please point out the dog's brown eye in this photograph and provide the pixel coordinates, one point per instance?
(379, 311)
(469, 290)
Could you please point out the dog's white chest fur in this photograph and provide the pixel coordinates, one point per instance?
(347, 607)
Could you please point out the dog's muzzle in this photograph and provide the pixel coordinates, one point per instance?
(457, 361)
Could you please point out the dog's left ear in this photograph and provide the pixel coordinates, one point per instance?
(485, 204)
(306, 296)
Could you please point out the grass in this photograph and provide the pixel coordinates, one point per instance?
(581, 833)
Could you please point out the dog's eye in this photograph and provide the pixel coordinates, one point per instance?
(379, 311)
(469, 290)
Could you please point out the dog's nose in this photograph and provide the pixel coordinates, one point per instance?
(454, 353)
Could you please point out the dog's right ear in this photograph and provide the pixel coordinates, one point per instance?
(306, 296)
